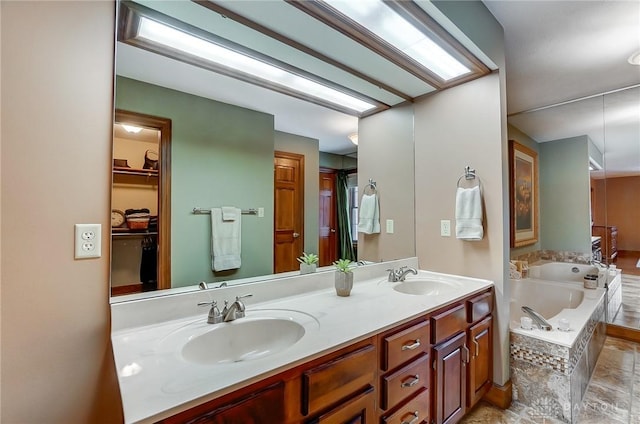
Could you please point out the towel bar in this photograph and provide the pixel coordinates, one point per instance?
(201, 211)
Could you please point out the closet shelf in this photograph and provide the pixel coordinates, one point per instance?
(133, 171)
(125, 232)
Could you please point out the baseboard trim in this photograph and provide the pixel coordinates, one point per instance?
(625, 333)
(500, 396)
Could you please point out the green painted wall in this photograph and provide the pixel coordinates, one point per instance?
(565, 194)
(221, 155)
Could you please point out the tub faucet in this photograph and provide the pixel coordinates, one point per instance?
(537, 318)
(236, 310)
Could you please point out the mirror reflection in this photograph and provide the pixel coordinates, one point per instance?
(283, 179)
(590, 184)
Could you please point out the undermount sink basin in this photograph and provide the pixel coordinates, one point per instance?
(427, 287)
(242, 340)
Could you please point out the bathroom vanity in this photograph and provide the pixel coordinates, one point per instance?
(412, 352)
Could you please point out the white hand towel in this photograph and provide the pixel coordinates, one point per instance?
(469, 214)
(369, 215)
(229, 213)
(225, 241)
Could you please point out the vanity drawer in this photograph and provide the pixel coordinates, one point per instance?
(403, 383)
(338, 379)
(446, 324)
(416, 409)
(404, 345)
(479, 307)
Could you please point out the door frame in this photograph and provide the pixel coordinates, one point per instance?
(164, 187)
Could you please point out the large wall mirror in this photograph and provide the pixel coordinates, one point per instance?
(590, 183)
(225, 138)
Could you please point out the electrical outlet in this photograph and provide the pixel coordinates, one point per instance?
(88, 240)
(445, 228)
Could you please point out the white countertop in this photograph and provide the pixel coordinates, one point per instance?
(157, 382)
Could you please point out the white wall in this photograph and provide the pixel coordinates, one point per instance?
(385, 154)
(56, 114)
(455, 128)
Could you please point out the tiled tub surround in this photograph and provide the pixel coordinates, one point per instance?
(555, 256)
(550, 370)
(156, 382)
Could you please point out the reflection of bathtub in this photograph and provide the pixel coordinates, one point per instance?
(566, 358)
(561, 271)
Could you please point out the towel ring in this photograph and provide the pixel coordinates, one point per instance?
(372, 186)
(469, 174)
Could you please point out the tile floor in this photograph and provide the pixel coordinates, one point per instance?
(612, 397)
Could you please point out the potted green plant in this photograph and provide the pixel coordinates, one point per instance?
(344, 277)
(308, 263)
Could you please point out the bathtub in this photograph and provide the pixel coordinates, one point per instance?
(565, 358)
(553, 300)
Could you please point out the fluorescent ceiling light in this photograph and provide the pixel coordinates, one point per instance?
(131, 128)
(167, 36)
(383, 21)
(594, 165)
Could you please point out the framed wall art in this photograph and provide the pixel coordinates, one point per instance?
(523, 194)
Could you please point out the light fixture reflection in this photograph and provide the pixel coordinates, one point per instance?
(131, 128)
(167, 36)
(354, 138)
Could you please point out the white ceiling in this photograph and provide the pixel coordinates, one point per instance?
(563, 50)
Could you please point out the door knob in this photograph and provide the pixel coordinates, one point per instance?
(296, 235)
(333, 230)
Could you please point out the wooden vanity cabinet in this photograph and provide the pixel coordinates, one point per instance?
(480, 342)
(265, 405)
(462, 357)
(428, 370)
(405, 373)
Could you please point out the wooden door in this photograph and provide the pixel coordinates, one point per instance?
(328, 244)
(450, 380)
(480, 364)
(288, 211)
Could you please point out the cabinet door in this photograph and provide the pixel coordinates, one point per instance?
(264, 406)
(358, 410)
(450, 379)
(480, 364)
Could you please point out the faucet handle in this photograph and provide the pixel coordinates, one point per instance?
(393, 275)
(243, 296)
(241, 307)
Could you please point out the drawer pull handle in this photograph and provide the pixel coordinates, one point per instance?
(414, 420)
(411, 346)
(412, 382)
(477, 348)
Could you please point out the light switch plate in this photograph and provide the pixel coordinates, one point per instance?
(445, 228)
(88, 241)
(389, 226)
(260, 212)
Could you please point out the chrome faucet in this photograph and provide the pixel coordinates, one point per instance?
(537, 318)
(396, 275)
(236, 310)
(404, 271)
